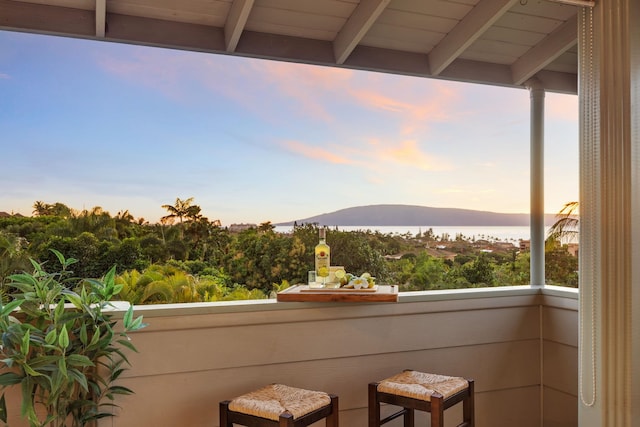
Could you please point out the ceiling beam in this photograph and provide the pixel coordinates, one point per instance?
(356, 27)
(472, 26)
(101, 18)
(237, 19)
(541, 55)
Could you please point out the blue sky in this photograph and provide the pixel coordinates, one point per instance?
(129, 127)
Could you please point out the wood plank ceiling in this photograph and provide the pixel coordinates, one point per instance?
(499, 42)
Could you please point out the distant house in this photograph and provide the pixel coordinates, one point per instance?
(525, 245)
(5, 214)
(504, 245)
(237, 228)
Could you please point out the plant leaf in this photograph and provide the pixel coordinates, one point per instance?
(128, 344)
(9, 307)
(137, 324)
(63, 367)
(80, 378)
(3, 409)
(83, 334)
(24, 349)
(10, 378)
(118, 389)
(51, 337)
(79, 360)
(27, 410)
(24, 278)
(59, 255)
(42, 361)
(63, 339)
(128, 317)
(29, 370)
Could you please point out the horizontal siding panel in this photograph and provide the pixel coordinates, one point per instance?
(310, 340)
(560, 325)
(495, 368)
(560, 367)
(518, 407)
(560, 409)
(259, 312)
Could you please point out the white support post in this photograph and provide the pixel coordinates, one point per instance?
(537, 183)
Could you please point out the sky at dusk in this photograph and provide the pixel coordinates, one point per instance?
(133, 128)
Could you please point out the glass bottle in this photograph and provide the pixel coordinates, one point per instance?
(322, 257)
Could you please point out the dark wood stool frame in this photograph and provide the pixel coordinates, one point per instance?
(436, 407)
(330, 412)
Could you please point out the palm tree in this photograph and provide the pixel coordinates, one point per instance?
(41, 208)
(567, 223)
(180, 210)
(123, 222)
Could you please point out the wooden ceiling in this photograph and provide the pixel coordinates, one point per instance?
(499, 42)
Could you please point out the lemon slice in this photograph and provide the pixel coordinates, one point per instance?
(340, 274)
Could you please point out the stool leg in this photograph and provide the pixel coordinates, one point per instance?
(224, 413)
(468, 406)
(409, 417)
(437, 411)
(374, 406)
(333, 419)
(286, 420)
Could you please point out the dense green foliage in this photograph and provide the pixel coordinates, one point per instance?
(62, 348)
(189, 258)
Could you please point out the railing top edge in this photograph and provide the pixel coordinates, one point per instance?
(206, 308)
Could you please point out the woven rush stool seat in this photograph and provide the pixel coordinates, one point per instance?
(413, 390)
(280, 405)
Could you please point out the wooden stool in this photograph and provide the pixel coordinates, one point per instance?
(278, 405)
(425, 392)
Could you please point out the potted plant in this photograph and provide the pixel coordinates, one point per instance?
(61, 346)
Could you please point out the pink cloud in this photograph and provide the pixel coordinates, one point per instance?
(309, 87)
(416, 111)
(408, 153)
(152, 68)
(315, 153)
(4, 76)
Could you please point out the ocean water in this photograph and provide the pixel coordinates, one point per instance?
(491, 233)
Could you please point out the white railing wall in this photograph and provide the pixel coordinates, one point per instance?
(519, 345)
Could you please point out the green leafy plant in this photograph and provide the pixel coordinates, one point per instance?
(61, 346)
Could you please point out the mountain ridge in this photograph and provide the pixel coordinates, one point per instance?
(414, 215)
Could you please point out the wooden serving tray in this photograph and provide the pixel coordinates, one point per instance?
(324, 290)
(302, 293)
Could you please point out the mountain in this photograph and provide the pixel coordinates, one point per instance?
(394, 215)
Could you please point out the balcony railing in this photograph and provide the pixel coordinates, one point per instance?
(518, 343)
